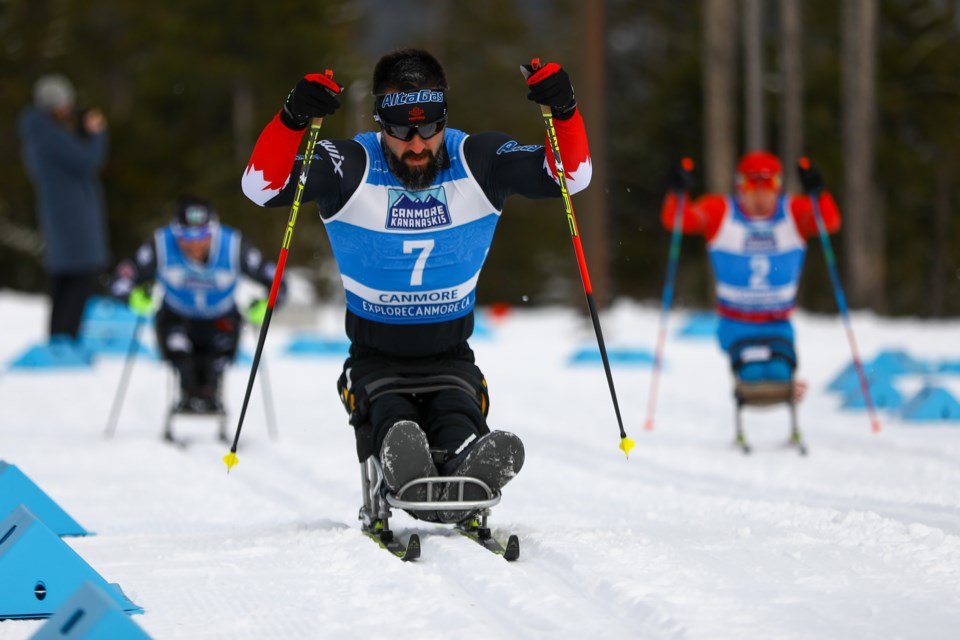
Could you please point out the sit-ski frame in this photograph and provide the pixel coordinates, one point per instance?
(375, 512)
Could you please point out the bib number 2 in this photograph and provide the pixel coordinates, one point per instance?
(759, 272)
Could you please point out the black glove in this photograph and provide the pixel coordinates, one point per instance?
(810, 178)
(550, 86)
(681, 176)
(315, 96)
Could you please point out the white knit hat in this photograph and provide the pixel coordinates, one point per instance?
(53, 91)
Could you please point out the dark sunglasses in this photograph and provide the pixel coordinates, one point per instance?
(405, 132)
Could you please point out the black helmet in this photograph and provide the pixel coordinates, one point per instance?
(195, 219)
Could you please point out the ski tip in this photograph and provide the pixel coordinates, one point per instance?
(512, 551)
(626, 444)
(412, 552)
(230, 460)
(875, 426)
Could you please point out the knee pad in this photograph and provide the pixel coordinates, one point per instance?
(763, 360)
(177, 343)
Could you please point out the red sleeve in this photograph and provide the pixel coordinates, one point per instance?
(271, 161)
(801, 208)
(574, 151)
(702, 216)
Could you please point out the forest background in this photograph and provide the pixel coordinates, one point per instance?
(868, 89)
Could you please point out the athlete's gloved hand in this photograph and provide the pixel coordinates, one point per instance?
(315, 96)
(810, 178)
(681, 176)
(257, 311)
(550, 86)
(140, 302)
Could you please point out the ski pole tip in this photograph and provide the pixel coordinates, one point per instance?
(230, 460)
(648, 425)
(626, 444)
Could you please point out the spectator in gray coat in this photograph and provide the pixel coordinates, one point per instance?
(64, 152)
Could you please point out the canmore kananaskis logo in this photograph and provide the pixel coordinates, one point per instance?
(760, 240)
(417, 209)
(415, 114)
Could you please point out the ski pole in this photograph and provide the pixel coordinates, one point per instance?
(667, 300)
(231, 458)
(124, 378)
(626, 444)
(268, 408)
(841, 302)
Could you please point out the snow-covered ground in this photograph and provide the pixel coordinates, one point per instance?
(687, 539)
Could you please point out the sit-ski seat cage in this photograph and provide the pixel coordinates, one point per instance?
(175, 409)
(377, 500)
(763, 370)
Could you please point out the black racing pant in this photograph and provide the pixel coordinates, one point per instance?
(445, 394)
(68, 296)
(199, 349)
(449, 418)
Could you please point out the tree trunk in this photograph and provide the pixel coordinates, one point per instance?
(755, 120)
(243, 124)
(939, 243)
(719, 64)
(791, 77)
(595, 201)
(864, 225)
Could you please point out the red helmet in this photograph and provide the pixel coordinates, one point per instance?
(759, 169)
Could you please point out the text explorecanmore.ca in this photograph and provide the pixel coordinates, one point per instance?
(417, 310)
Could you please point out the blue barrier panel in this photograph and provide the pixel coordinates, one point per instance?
(17, 489)
(40, 571)
(481, 328)
(886, 365)
(314, 345)
(634, 357)
(89, 614)
(897, 362)
(848, 381)
(882, 392)
(104, 310)
(698, 324)
(845, 380)
(59, 353)
(114, 343)
(949, 366)
(932, 404)
(108, 327)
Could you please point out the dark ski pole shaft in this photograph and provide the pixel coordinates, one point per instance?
(124, 378)
(231, 458)
(667, 301)
(626, 444)
(842, 303)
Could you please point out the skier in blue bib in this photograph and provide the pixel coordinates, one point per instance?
(198, 262)
(756, 240)
(410, 211)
